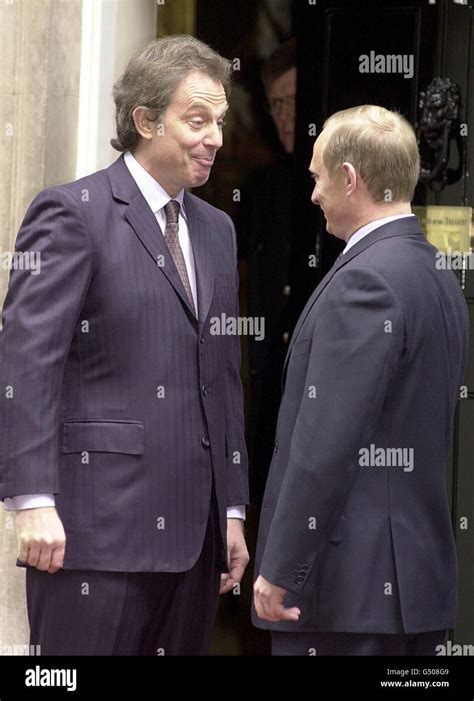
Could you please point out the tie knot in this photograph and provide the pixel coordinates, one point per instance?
(172, 212)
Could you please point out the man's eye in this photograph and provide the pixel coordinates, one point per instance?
(221, 124)
(197, 123)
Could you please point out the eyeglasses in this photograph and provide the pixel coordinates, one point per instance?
(275, 106)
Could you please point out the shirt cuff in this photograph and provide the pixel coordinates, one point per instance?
(236, 512)
(28, 501)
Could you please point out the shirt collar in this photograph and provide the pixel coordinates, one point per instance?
(363, 231)
(152, 191)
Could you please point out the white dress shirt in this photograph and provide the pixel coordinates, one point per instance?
(364, 230)
(156, 198)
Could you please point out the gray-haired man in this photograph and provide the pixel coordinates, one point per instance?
(122, 440)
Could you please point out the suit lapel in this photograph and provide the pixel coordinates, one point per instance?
(145, 225)
(326, 279)
(203, 257)
(399, 227)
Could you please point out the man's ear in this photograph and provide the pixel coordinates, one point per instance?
(144, 121)
(350, 177)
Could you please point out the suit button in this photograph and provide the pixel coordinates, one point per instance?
(206, 442)
(204, 390)
(201, 339)
(299, 580)
(276, 447)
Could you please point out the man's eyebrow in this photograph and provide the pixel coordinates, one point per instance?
(198, 105)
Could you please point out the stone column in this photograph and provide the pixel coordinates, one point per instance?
(39, 94)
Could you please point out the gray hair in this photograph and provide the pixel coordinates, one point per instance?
(152, 76)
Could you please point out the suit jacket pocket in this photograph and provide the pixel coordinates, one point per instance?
(108, 436)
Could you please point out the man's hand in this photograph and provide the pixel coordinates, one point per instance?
(268, 601)
(41, 538)
(237, 555)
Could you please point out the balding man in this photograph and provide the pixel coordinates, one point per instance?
(356, 553)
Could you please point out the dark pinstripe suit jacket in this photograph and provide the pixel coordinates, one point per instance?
(121, 402)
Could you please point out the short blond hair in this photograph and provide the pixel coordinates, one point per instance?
(380, 144)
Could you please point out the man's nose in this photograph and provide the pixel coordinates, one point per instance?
(213, 137)
(314, 196)
(287, 119)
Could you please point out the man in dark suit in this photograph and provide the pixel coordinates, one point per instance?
(356, 552)
(122, 418)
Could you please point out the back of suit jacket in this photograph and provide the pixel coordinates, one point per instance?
(121, 402)
(356, 524)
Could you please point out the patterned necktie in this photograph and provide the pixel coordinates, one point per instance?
(172, 240)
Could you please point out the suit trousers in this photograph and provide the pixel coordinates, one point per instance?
(88, 612)
(403, 644)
